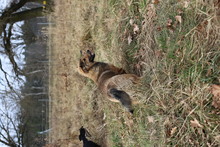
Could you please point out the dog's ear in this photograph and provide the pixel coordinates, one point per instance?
(91, 58)
(80, 52)
(91, 55)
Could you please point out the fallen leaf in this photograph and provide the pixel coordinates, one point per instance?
(179, 11)
(173, 131)
(155, 1)
(170, 25)
(131, 22)
(150, 119)
(104, 117)
(136, 29)
(185, 4)
(169, 22)
(208, 144)
(195, 123)
(215, 90)
(178, 19)
(129, 39)
(159, 28)
(217, 137)
(159, 53)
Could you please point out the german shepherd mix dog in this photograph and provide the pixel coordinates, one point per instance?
(110, 80)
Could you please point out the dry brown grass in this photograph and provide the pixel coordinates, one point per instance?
(177, 65)
(73, 100)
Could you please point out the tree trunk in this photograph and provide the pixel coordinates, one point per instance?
(8, 16)
(24, 15)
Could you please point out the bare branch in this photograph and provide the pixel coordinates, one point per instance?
(8, 49)
(13, 123)
(4, 142)
(7, 138)
(13, 8)
(27, 14)
(7, 125)
(5, 74)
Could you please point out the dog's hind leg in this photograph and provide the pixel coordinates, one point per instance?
(123, 97)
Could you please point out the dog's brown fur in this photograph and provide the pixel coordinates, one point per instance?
(109, 78)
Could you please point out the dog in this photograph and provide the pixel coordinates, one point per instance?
(110, 79)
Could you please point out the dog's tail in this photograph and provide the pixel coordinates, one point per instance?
(123, 97)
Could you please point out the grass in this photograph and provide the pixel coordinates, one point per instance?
(177, 62)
